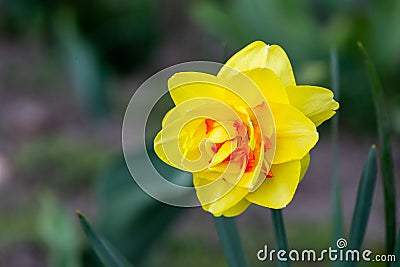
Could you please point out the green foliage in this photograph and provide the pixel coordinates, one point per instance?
(363, 205)
(57, 230)
(72, 162)
(237, 22)
(108, 255)
(121, 34)
(83, 63)
(143, 219)
(17, 226)
(194, 248)
(385, 151)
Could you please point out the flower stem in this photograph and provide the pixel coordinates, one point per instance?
(230, 241)
(337, 213)
(397, 252)
(280, 235)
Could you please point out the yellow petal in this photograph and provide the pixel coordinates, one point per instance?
(219, 134)
(185, 150)
(185, 86)
(278, 191)
(217, 196)
(316, 103)
(226, 149)
(182, 78)
(260, 55)
(251, 180)
(183, 139)
(296, 135)
(190, 138)
(269, 84)
(240, 92)
(237, 209)
(158, 148)
(305, 162)
(165, 117)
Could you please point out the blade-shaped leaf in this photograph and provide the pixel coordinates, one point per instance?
(364, 201)
(143, 217)
(385, 151)
(107, 254)
(230, 241)
(280, 234)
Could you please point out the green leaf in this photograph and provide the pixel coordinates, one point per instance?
(385, 151)
(230, 241)
(127, 211)
(57, 230)
(337, 212)
(83, 64)
(363, 204)
(280, 234)
(107, 254)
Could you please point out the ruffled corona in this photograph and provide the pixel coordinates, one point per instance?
(246, 133)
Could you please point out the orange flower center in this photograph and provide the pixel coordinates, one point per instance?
(243, 153)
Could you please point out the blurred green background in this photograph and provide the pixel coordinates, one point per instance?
(68, 70)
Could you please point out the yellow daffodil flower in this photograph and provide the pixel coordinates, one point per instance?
(244, 133)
